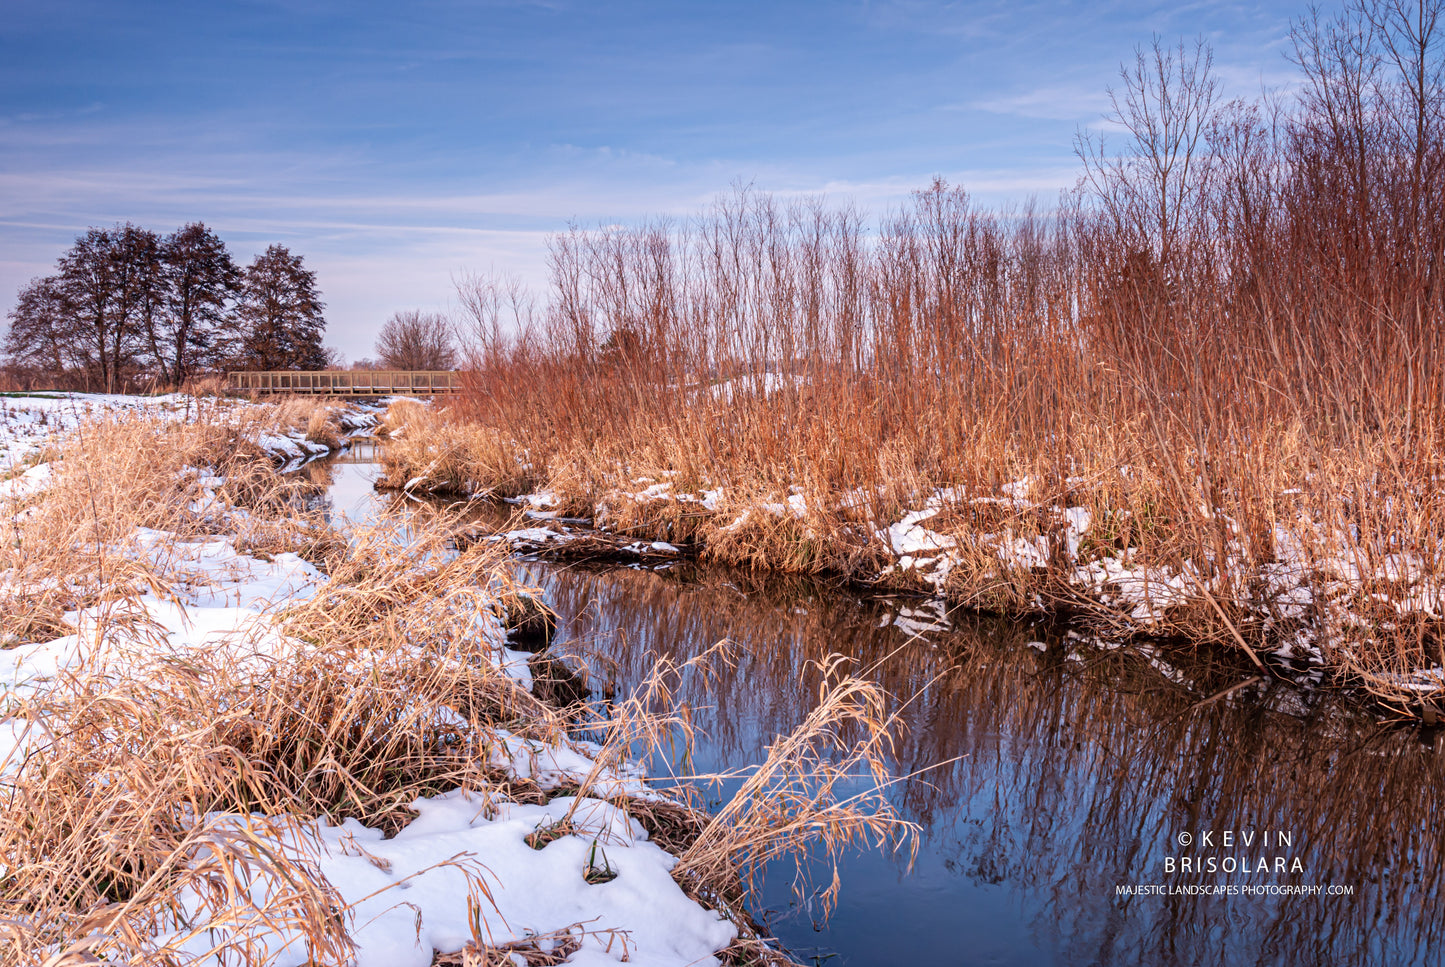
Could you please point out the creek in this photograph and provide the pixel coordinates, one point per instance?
(1075, 774)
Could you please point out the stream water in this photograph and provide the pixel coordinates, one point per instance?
(1072, 771)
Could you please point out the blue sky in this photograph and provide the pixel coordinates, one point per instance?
(398, 144)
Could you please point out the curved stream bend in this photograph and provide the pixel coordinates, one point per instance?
(1076, 773)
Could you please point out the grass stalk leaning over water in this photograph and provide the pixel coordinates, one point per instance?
(160, 781)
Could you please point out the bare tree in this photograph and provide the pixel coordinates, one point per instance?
(126, 303)
(1165, 108)
(42, 336)
(110, 285)
(88, 277)
(201, 282)
(498, 314)
(416, 341)
(1343, 109)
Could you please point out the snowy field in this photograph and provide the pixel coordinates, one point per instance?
(32, 423)
(462, 871)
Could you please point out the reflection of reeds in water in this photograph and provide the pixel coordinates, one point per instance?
(1077, 769)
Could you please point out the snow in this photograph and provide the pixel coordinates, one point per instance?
(1311, 567)
(32, 481)
(433, 865)
(290, 447)
(641, 548)
(925, 617)
(531, 535)
(406, 897)
(761, 384)
(31, 424)
(28, 424)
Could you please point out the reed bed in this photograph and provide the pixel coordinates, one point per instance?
(164, 796)
(1225, 348)
(73, 545)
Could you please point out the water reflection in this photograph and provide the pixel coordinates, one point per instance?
(347, 482)
(1079, 769)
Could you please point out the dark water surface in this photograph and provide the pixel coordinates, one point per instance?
(1077, 770)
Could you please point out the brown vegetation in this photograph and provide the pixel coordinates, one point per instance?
(168, 778)
(1234, 324)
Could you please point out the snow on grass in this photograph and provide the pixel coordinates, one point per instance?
(463, 871)
(405, 897)
(31, 424)
(27, 483)
(763, 384)
(408, 894)
(1306, 598)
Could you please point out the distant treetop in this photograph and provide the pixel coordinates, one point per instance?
(127, 307)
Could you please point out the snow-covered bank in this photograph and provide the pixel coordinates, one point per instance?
(359, 699)
(32, 424)
(1343, 589)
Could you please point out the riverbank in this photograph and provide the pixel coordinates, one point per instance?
(230, 731)
(1322, 567)
(1071, 770)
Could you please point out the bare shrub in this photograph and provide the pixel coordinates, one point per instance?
(1232, 332)
(414, 340)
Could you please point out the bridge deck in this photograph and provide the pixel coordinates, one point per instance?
(358, 382)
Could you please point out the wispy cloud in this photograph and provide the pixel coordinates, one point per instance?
(394, 147)
(1060, 102)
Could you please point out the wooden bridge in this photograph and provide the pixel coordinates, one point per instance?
(350, 382)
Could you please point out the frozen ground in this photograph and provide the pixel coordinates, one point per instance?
(1304, 598)
(405, 897)
(32, 423)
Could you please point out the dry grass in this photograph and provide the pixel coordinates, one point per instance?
(321, 428)
(822, 787)
(169, 777)
(207, 386)
(428, 454)
(821, 790)
(1260, 364)
(103, 828)
(347, 725)
(74, 547)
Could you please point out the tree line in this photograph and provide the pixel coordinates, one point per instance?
(127, 306)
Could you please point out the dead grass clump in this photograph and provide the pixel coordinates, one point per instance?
(35, 617)
(208, 386)
(1259, 362)
(322, 428)
(673, 521)
(822, 786)
(768, 534)
(401, 414)
(378, 690)
(76, 544)
(428, 453)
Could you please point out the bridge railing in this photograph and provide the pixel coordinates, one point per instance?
(356, 382)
